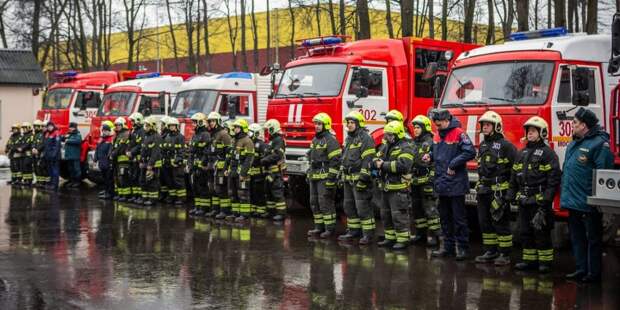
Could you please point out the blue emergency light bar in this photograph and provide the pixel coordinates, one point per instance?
(65, 74)
(147, 75)
(542, 33)
(321, 41)
(236, 75)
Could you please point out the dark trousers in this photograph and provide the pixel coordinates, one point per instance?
(221, 197)
(536, 244)
(496, 235)
(75, 172)
(424, 207)
(356, 204)
(176, 187)
(395, 215)
(53, 168)
(108, 181)
(586, 238)
(202, 200)
(258, 197)
(151, 188)
(40, 171)
(274, 191)
(323, 205)
(454, 222)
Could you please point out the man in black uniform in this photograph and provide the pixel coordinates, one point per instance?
(535, 178)
(14, 155)
(175, 158)
(120, 147)
(151, 161)
(359, 150)
(221, 142)
(135, 138)
(240, 162)
(25, 145)
(257, 173)
(495, 159)
(198, 165)
(324, 156)
(273, 162)
(40, 170)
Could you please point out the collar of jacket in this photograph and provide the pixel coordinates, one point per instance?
(493, 137)
(423, 136)
(537, 144)
(454, 123)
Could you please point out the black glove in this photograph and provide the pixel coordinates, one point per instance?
(539, 221)
(498, 205)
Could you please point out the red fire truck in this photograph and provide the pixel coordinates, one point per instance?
(370, 76)
(75, 97)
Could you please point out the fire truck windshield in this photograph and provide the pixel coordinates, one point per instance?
(58, 98)
(316, 80)
(193, 101)
(117, 104)
(507, 83)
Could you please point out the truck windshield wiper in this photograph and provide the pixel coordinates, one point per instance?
(502, 99)
(311, 94)
(455, 104)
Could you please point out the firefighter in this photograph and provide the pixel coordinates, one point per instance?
(359, 151)
(197, 165)
(534, 180)
(495, 158)
(238, 167)
(221, 142)
(324, 156)
(135, 138)
(175, 161)
(165, 177)
(13, 154)
(26, 142)
(394, 168)
(40, 170)
(257, 175)
(151, 161)
(450, 154)
(103, 154)
(273, 161)
(120, 146)
(424, 204)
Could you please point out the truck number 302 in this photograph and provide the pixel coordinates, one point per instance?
(369, 114)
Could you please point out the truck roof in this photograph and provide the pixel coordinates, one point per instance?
(83, 80)
(594, 48)
(241, 81)
(156, 84)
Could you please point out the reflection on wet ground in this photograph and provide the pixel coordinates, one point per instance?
(73, 251)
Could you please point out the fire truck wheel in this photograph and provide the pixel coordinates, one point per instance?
(611, 229)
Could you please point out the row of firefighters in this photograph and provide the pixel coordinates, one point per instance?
(234, 174)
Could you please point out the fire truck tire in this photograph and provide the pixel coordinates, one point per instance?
(611, 229)
(299, 190)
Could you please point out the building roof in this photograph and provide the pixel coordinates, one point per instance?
(19, 67)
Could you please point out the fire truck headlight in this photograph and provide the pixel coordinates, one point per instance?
(448, 55)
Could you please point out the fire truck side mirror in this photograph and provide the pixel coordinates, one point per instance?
(362, 92)
(430, 71)
(614, 61)
(581, 77)
(233, 102)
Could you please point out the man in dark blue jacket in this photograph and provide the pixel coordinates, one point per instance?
(589, 150)
(450, 154)
(51, 154)
(73, 147)
(104, 161)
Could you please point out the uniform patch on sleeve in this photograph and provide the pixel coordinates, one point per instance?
(583, 158)
(606, 144)
(465, 138)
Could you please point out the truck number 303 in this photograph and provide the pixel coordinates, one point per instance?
(368, 114)
(565, 129)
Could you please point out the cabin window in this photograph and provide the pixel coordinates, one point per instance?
(375, 83)
(242, 102)
(567, 82)
(88, 100)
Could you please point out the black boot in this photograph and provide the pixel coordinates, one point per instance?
(318, 229)
(432, 240)
(419, 237)
(488, 257)
(462, 254)
(368, 238)
(386, 243)
(327, 233)
(502, 260)
(349, 235)
(277, 217)
(525, 266)
(400, 246)
(443, 252)
(544, 267)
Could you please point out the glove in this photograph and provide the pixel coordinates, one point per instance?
(526, 200)
(497, 208)
(149, 174)
(540, 220)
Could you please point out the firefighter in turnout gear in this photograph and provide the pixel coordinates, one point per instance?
(174, 156)
(221, 142)
(238, 168)
(198, 164)
(165, 176)
(394, 167)
(258, 199)
(40, 170)
(120, 147)
(273, 162)
(136, 136)
(25, 145)
(151, 161)
(324, 156)
(495, 158)
(424, 204)
(359, 151)
(534, 180)
(14, 155)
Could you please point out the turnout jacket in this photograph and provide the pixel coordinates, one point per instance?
(220, 146)
(359, 150)
(11, 145)
(198, 148)
(150, 153)
(422, 172)
(395, 171)
(136, 137)
(495, 159)
(241, 155)
(120, 146)
(324, 155)
(174, 149)
(274, 154)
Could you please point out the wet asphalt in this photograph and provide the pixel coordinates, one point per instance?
(73, 251)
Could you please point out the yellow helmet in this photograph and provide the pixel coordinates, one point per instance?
(108, 124)
(172, 121)
(256, 130)
(121, 121)
(242, 123)
(37, 122)
(493, 118)
(357, 117)
(422, 121)
(164, 120)
(394, 115)
(27, 125)
(324, 119)
(214, 116)
(537, 122)
(396, 128)
(15, 126)
(136, 118)
(199, 119)
(272, 126)
(151, 122)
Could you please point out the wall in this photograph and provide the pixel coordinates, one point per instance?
(17, 105)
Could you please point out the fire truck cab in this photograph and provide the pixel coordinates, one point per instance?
(548, 73)
(75, 97)
(149, 94)
(236, 94)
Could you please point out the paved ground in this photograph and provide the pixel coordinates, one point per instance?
(71, 251)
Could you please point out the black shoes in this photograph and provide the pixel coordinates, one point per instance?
(487, 257)
(442, 253)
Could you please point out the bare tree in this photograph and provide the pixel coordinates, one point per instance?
(560, 13)
(341, 16)
(592, 21)
(3, 8)
(317, 13)
(468, 9)
(506, 15)
(522, 15)
(444, 20)
(206, 35)
(292, 39)
(173, 37)
(132, 10)
(491, 25)
(254, 37)
(268, 33)
(406, 17)
(364, 19)
(431, 19)
(388, 18)
(332, 17)
(232, 31)
(244, 56)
